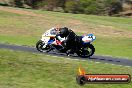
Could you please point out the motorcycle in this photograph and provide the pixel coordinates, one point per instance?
(46, 45)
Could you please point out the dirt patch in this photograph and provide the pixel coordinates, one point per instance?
(75, 22)
(104, 31)
(17, 11)
(76, 25)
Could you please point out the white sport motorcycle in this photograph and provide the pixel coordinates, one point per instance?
(86, 49)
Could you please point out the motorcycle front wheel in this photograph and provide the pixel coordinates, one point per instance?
(40, 45)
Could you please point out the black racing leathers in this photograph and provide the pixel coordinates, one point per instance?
(72, 42)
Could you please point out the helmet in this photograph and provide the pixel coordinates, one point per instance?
(64, 32)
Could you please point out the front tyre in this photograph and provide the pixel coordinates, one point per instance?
(40, 45)
(86, 52)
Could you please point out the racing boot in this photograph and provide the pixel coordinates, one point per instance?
(70, 52)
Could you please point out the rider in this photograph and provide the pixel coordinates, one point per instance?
(69, 42)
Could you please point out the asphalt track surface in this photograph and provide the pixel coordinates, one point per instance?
(95, 58)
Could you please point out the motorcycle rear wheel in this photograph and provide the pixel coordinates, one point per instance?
(86, 53)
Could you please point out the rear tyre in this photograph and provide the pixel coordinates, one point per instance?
(87, 52)
(92, 50)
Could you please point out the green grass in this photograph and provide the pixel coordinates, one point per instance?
(117, 22)
(27, 70)
(114, 34)
(120, 47)
(19, 40)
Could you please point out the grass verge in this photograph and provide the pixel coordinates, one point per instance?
(25, 27)
(28, 70)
